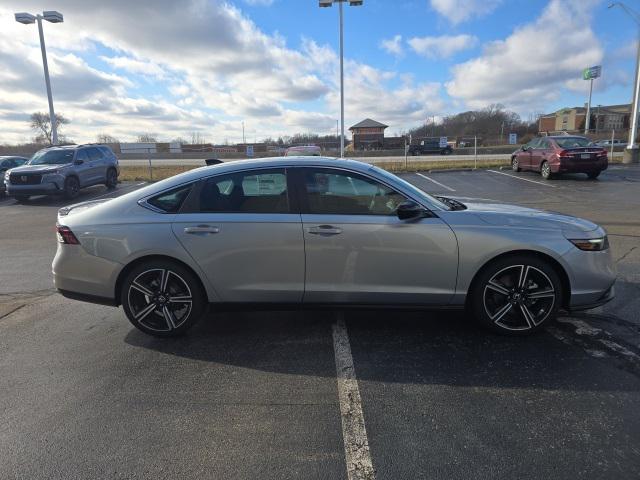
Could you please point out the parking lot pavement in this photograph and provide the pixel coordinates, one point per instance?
(254, 394)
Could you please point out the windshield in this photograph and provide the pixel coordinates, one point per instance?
(51, 157)
(572, 142)
(410, 187)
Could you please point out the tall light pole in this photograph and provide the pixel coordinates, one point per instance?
(353, 3)
(53, 17)
(632, 152)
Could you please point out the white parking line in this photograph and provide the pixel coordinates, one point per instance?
(437, 183)
(354, 433)
(520, 178)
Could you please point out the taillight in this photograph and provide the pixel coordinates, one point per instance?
(602, 153)
(564, 154)
(65, 235)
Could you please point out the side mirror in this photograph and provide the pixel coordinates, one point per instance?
(524, 148)
(410, 211)
(78, 162)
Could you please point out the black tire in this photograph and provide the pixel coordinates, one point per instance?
(593, 175)
(21, 198)
(501, 302)
(515, 164)
(112, 179)
(144, 302)
(414, 153)
(445, 152)
(71, 188)
(545, 171)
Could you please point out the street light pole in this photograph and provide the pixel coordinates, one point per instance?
(353, 3)
(52, 113)
(53, 17)
(341, 83)
(632, 152)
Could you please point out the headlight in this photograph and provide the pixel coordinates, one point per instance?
(592, 244)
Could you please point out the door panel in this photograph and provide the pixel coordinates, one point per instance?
(97, 171)
(242, 235)
(379, 259)
(358, 251)
(84, 169)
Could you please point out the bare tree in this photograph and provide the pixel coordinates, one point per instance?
(147, 138)
(197, 138)
(41, 123)
(106, 138)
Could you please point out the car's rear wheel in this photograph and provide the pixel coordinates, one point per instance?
(516, 295)
(22, 198)
(593, 175)
(71, 188)
(515, 164)
(112, 179)
(545, 171)
(162, 298)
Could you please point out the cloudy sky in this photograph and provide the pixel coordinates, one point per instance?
(172, 67)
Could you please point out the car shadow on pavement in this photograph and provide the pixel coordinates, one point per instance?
(392, 346)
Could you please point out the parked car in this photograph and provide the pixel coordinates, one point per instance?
(560, 154)
(6, 163)
(320, 231)
(305, 151)
(63, 171)
(430, 145)
(608, 143)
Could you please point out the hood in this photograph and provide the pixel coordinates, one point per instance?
(38, 168)
(517, 216)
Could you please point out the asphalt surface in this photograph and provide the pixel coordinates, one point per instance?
(251, 394)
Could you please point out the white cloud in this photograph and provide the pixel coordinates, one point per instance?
(215, 77)
(442, 47)
(457, 11)
(135, 66)
(535, 63)
(393, 46)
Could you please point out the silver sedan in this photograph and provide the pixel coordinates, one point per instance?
(318, 231)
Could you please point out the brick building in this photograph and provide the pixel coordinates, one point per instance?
(368, 135)
(603, 118)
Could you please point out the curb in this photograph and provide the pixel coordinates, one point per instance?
(444, 170)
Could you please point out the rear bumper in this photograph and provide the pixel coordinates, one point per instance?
(577, 166)
(83, 297)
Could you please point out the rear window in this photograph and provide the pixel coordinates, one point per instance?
(572, 142)
(172, 200)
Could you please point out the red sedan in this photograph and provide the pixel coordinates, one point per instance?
(560, 154)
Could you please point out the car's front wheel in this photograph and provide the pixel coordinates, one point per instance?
(71, 188)
(516, 295)
(162, 298)
(515, 164)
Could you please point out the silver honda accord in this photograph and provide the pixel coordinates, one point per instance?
(320, 231)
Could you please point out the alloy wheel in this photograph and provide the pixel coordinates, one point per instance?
(519, 297)
(160, 300)
(546, 170)
(514, 165)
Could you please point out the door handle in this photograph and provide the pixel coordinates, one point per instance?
(205, 229)
(326, 230)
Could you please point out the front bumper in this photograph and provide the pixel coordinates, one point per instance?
(592, 276)
(49, 188)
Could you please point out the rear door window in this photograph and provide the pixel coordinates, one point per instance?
(171, 201)
(94, 154)
(82, 155)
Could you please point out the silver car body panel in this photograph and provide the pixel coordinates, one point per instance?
(272, 258)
